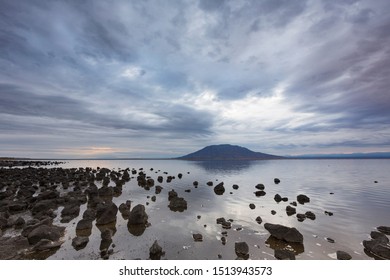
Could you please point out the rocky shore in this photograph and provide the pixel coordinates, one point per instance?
(33, 196)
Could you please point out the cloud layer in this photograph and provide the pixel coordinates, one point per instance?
(163, 78)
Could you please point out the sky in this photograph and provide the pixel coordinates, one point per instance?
(90, 79)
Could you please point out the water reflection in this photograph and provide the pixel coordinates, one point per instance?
(225, 166)
(277, 244)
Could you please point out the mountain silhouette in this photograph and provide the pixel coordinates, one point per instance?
(227, 152)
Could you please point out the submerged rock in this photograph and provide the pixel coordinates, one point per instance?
(284, 233)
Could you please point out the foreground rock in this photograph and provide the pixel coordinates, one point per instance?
(177, 204)
(384, 229)
(284, 233)
(302, 199)
(156, 252)
(52, 233)
(106, 213)
(219, 189)
(138, 216)
(242, 250)
(341, 255)
(379, 246)
(282, 254)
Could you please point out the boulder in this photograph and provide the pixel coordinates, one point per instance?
(172, 194)
(277, 198)
(156, 252)
(70, 212)
(310, 215)
(158, 189)
(259, 220)
(260, 193)
(89, 214)
(209, 183)
(301, 217)
(379, 236)
(290, 210)
(17, 206)
(384, 229)
(284, 233)
(377, 248)
(46, 244)
(197, 237)
(84, 224)
(219, 189)
(235, 187)
(52, 233)
(302, 199)
(106, 213)
(79, 242)
(276, 181)
(252, 206)
(242, 250)
(260, 187)
(138, 215)
(341, 255)
(177, 204)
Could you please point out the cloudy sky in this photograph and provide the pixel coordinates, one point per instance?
(165, 78)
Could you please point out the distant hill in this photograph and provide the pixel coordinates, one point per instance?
(227, 152)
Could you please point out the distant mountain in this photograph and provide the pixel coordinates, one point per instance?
(227, 152)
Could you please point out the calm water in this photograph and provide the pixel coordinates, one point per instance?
(359, 205)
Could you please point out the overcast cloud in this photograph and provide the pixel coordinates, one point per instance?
(165, 78)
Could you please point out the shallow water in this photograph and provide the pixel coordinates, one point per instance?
(358, 203)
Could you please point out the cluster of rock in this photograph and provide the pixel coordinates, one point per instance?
(378, 247)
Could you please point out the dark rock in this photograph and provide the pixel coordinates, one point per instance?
(16, 207)
(226, 225)
(84, 224)
(276, 181)
(172, 194)
(138, 215)
(259, 220)
(384, 229)
(341, 255)
(46, 244)
(79, 242)
(43, 206)
(260, 193)
(195, 183)
(49, 194)
(156, 252)
(177, 204)
(235, 187)
(223, 240)
(209, 183)
(242, 250)
(290, 210)
(260, 187)
(277, 198)
(328, 213)
(52, 233)
(221, 220)
(153, 198)
(219, 189)
(179, 175)
(252, 206)
(158, 189)
(284, 233)
(301, 217)
(150, 182)
(285, 199)
(197, 237)
(281, 254)
(89, 214)
(106, 191)
(19, 223)
(273, 212)
(377, 248)
(70, 212)
(330, 240)
(294, 203)
(106, 213)
(310, 215)
(302, 199)
(381, 237)
(160, 179)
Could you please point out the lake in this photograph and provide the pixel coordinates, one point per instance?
(355, 191)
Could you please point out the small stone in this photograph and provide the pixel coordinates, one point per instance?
(197, 237)
(259, 220)
(341, 255)
(276, 181)
(273, 212)
(252, 206)
(330, 240)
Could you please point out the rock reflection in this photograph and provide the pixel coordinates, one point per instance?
(282, 248)
(225, 166)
